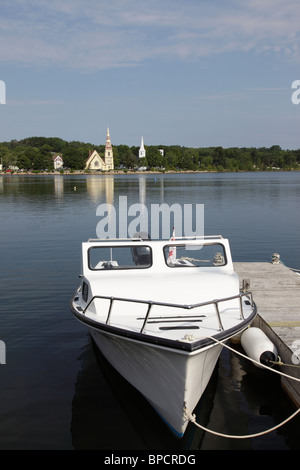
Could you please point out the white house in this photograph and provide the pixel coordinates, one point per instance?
(57, 162)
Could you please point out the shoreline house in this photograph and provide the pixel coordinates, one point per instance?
(57, 162)
(96, 162)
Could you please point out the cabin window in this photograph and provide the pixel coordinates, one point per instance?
(120, 257)
(181, 255)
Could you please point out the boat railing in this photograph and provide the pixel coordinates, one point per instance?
(151, 303)
(134, 239)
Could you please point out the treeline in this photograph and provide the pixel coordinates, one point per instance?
(36, 153)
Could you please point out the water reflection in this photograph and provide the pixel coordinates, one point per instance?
(58, 187)
(101, 189)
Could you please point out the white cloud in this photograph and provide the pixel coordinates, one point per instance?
(93, 34)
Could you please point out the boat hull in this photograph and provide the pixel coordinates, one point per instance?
(170, 380)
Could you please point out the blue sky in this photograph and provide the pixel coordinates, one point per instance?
(195, 73)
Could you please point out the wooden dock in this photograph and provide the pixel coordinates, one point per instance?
(276, 292)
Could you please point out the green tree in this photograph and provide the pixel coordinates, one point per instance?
(6, 156)
(219, 156)
(231, 164)
(116, 157)
(122, 149)
(187, 162)
(154, 157)
(171, 160)
(207, 162)
(24, 162)
(130, 160)
(74, 157)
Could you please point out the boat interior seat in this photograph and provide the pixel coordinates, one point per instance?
(141, 255)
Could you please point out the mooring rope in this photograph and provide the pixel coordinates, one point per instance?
(280, 363)
(276, 260)
(292, 269)
(192, 417)
(256, 362)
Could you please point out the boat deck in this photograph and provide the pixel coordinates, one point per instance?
(276, 292)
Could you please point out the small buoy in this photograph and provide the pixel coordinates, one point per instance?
(75, 188)
(258, 347)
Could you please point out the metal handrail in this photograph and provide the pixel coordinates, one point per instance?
(138, 239)
(150, 303)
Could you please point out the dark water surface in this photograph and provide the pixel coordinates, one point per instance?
(56, 391)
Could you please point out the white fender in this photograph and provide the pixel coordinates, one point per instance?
(258, 347)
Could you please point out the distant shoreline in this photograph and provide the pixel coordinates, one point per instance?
(104, 173)
(129, 172)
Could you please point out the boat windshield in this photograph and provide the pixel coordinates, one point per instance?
(119, 257)
(181, 255)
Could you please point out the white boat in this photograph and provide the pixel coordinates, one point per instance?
(159, 310)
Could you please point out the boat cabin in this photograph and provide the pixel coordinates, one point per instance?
(155, 255)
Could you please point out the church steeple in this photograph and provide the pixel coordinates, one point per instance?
(109, 157)
(142, 151)
(108, 142)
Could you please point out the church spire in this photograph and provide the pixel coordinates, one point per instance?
(108, 142)
(108, 155)
(142, 151)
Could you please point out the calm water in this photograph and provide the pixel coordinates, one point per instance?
(57, 392)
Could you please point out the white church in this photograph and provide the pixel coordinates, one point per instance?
(95, 162)
(142, 151)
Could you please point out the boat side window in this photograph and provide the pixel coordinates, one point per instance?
(183, 255)
(119, 257)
